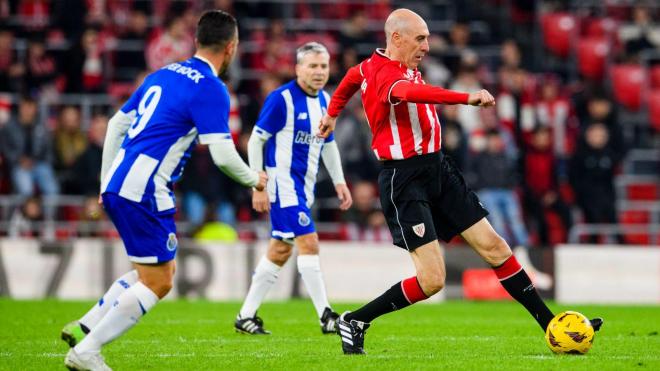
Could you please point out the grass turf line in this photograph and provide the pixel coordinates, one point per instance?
(457, 335)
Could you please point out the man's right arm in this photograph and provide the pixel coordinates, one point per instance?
(346, 89)
(117, 128)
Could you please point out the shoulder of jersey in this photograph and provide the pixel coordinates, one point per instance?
(192, 73)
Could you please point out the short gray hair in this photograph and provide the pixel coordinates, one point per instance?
(310, 47)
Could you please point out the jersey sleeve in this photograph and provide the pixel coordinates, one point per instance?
(272, 117)
(385, 78)
(209, 110)
(133, 101)
(347, 87)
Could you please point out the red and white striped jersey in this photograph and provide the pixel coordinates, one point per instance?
(400, 129)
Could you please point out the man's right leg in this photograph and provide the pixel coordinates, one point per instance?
(264, 277)
(76, 330)
(430, 279)
(155, 281)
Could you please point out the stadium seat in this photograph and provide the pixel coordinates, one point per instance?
(654, 109)
(627, 83)
(655, 76)
(592, 53)
(634, 217)
(599, 27)
(558, 31)
(642, 191)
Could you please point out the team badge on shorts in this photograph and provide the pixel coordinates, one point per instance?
(172, 242)
(419, 229)
(303, 219)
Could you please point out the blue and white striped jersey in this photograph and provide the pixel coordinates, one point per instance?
(170, 109)
(289, 121)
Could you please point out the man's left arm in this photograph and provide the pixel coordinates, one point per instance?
(332, 161)
(422, 93)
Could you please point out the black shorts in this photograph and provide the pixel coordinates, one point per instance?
(425, 198)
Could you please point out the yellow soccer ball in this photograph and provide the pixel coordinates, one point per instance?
(570, 332)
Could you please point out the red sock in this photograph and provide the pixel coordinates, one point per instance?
(508, 268)
(412, 290)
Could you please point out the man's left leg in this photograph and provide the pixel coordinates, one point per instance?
(309, 267)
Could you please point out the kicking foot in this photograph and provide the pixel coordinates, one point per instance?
(251, 326)
(85, 362)
(73, 333)
(329, 321)
(596, 323)
(352, 335)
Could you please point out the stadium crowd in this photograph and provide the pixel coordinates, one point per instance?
(546, 157)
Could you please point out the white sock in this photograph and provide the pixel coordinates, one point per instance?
(309, 267)
(264, 277)
(91, 318)
(124, 314)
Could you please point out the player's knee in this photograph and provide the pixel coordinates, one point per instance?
(279, 255)
(496, 251)
(159, 287)
(432, 283)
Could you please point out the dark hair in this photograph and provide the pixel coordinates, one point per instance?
(215, 29)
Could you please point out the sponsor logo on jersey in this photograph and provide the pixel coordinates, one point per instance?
(188, 72)
(419, 229)
(303, 219)
(304, 137)
(172, 242)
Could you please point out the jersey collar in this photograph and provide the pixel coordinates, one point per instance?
(215, 73)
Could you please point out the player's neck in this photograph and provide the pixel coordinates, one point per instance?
(307, 89)
(215, 59)
(393, 55)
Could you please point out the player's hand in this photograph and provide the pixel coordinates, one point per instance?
(482, 98)
(326, 126)
(344, 195)
(100, 200)
(260, 201)
(263, 179)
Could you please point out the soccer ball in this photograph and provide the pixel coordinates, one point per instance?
(570, 332)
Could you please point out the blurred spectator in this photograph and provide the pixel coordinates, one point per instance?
(24, 221)
(85, 65)
(459, 47)
(553, 111)
(642, 33)
(493, 174)
(592, 175)
(68, 17)
(454, 141)
(354, 35)
(89, 162)
(130, 61)
(11, 70)
(214, 195)
(250, 109)
(541, 185)
(41, 69)
(28, 149)
(600, 109)
(467, 80)
(364, 221)
(275, 55)
(34, 15)
(173, 45)
(70, 142)
(353, 137)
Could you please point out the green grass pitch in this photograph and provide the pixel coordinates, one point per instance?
(455, 335)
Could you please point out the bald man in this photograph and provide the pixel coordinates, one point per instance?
(423, 195)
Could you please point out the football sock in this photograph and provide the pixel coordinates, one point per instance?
(124, 314)
(517, 283)
(397, 297)
(264, 277)
(309, 267)
(91, 318)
